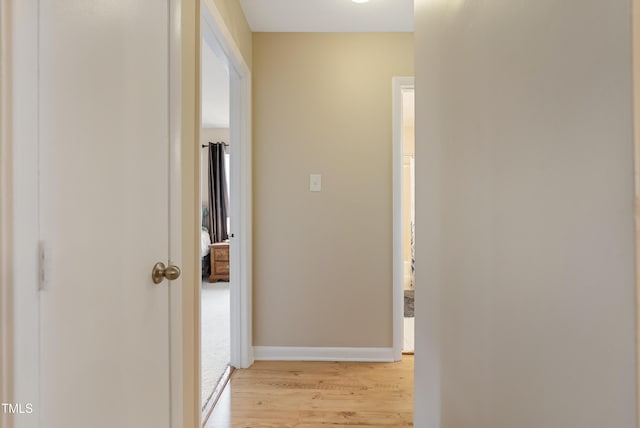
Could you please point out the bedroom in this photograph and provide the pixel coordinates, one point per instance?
(214, 149)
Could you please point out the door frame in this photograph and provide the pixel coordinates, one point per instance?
(19, 165)
(216, 34)
(635, 28)
(176, 287)
(398, 84)
(19, 207)
(6, 223)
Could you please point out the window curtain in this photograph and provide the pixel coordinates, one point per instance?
(218, 197)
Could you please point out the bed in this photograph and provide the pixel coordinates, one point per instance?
(205, 255)
(205, 240)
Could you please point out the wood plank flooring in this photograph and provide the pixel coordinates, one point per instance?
(288, 394)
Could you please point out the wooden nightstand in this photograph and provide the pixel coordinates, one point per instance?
(219, 262)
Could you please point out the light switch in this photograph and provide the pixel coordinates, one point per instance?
(315, 182)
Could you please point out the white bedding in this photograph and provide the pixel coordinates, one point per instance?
(205, 240)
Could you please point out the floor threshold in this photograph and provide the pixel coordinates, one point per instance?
(212, 400)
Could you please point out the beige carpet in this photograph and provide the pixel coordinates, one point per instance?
(215, 335)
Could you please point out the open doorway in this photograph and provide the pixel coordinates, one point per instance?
(215, 196)
(224, 81)
(408, 217)
(403, 214)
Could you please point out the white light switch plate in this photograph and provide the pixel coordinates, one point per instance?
(315, 182)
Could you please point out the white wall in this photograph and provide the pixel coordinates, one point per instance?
(525, 294)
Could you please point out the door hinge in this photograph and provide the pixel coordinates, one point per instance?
(44, 266)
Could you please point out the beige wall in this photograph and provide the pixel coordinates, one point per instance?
(322, 261)
(237, 24)
(636, 126)
(190, 19)
(525, 290)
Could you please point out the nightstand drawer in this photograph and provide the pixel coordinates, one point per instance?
(219, 262)
(221, 253)
(221, 267)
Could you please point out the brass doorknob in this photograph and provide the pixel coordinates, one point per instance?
(160, 272)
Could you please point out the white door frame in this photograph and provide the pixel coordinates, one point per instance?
(218, 36)
(398, 84)
(19, 164)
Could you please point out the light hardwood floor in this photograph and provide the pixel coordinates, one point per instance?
(283, 394)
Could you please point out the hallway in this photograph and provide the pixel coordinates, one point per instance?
(303, 394)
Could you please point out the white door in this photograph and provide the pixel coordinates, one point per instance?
(104, 204)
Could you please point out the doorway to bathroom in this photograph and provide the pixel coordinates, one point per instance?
(403, 214)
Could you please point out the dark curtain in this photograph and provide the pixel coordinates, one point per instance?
(218, 197)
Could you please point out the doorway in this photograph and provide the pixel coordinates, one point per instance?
(215, 197)
(408, 217)
(403, 215)
(233, 296)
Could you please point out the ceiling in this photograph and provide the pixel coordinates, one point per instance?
(298, 16)
(329, 15)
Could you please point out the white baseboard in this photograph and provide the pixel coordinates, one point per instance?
(293, 353)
